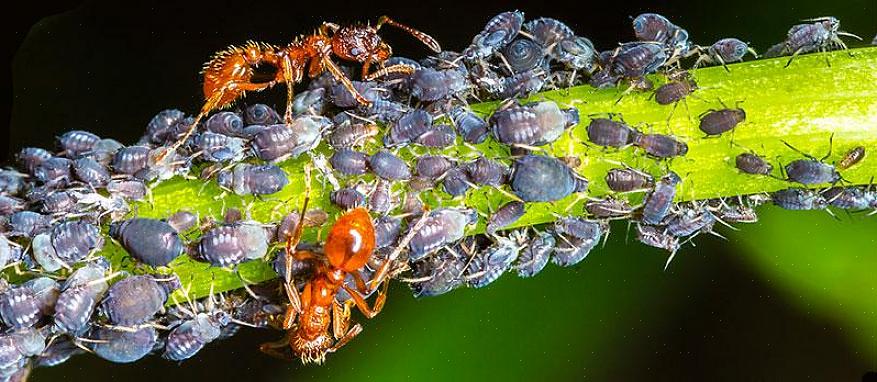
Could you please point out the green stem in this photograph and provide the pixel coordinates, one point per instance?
(802, 104)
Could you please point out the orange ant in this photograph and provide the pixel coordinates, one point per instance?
(348, 247)
(229, 74)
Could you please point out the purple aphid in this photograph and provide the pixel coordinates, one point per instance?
(388, 166)
(28, 223)
(661, 146)
(535, 255)
(387, 229)
(607, 132)
(349, 162)
(737, 214)
(216, 147)
(380, 200)
(229, 245)
(10, 205)
(130, 160)
(348, 134)
(440, 136)
(469, 125)
(456, 181)
(609, 208)
(150, 241)
(347, 198)
(656, 237)
(488, 265)
(547, 31)
(498, 32)
(90, 172)
(57, 352)
(850, 198)
(128, 189)
(691, 221)
(385, 110)
(523, 55)
(438, 274)
(576, 53)
(654, 27)
(716, 122)
(31, 157)
(431, 85)
(533, 124)
(520, 85)
(442, 227)
(187, 339)
(123, 345)
(432, 166)
(576, 238)
(260, 114)
(799, 199)
(675, 91)
(248, 179)
(157, 129)
(10, 252)
(59, 202)
(44, 253)
(79, 297)
(753, 164)
(811, 171)
(17, 347)
(312, 101)
(634, 60)
(342, 97)
(11, 182)
(486, 172)
(409, 127)
(504, 216)
(225, 123)
(104, 151)
(54, 172)
(821, 34)
(725, 51)
(77, 142)
(280, 142)
(659, 201)
(628, 179)
(46, 291)
(136, 299)
(73, 240)
(538, 178)
(19, 306)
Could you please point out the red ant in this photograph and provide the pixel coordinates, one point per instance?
(229, 74)
(348, 247)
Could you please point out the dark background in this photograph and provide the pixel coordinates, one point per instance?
(109, 67)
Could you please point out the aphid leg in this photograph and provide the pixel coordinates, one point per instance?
(830, 145)
(795, 54)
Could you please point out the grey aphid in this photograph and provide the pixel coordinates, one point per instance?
(136, 299)
(77, 142)
(249, 179)
(659, 201)
(150, 241)
(535, 255)
(187, 339)
(442, 227)
(123, 346)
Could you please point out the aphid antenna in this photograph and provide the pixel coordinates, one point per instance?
(847, 34)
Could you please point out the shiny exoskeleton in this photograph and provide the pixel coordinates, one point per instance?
(537, 178)
(658, 203)
(723, 52)
(753, 164)
(821, 34)
(716, 122)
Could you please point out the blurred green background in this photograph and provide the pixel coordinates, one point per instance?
(793, 297)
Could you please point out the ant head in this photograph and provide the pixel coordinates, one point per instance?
(351, 240)
(360, 43)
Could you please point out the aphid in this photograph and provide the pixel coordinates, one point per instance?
(343, 98)
(248, 179)
(610, 133)
(811, 171)
(351, 134)
(547, 31)
(91, 172)
(538, 178)
(798, 199)
(659, 201)
(261, 114)
(57, 352)
(535, 255)
(229, 245)
(387, 229)
(724, 51)
(737, 214)
(609, 208)
(441, 227)
(79, 296)
(691, 221)
(380, 199)
(855, 155)
(225, 123)
(59, 202)
(280, 142)
(486, 172)
(498, 32)
(577, 237)
(753, 164)
(522, 84)
(44, 253)
(505, 215)
(347, 198)
(388, 166)
(656, 237)
(438, 274)
(634, 60)
(533, 124)
(9, 251)
(136, 299)
(488, 265)
(150, 241)
(576, 53)
(469, 125)
(104, 151)
(675, 91)
(19, 307)
(77, 142)
(349, 162)
(128, 189)
(73, 240)
(654, 27)
(628, 179)
(523, 55)
(188, 338)
(432, 166)
(28, 224)
(820, 34)
(10, 205)
(32, 157)
(716, 122)
(229, 74)
(456, 181)
(54, 172)
(220, 148)
(158, 126)
(412, 125)
(130, 160)
(16, 347)
(385, 110)
(11, 182)
(123, 346)
(348, 248)
(850, 198)
(311, 101)
(46, 291)
(660, 145)
(431, 85)
(440, 136)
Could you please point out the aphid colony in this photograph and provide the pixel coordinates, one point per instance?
(55, 209)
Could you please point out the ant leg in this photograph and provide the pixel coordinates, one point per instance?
(340, 76)
(272, 349)
(327, 27)
(426, 39)
(353, 332)
(340, 319)
(393, 69)
(293, 241)
(360, 302)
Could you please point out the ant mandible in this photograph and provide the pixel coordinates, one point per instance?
(349, 245)
(229, 74)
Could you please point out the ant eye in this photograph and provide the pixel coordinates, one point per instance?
(355, 51)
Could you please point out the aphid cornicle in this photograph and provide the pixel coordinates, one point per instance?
(136, 299)
(248, 179)
(753, 164)
(716, 122)
(537, 178)
(150, 241)
(610, 133)
(659, 201)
